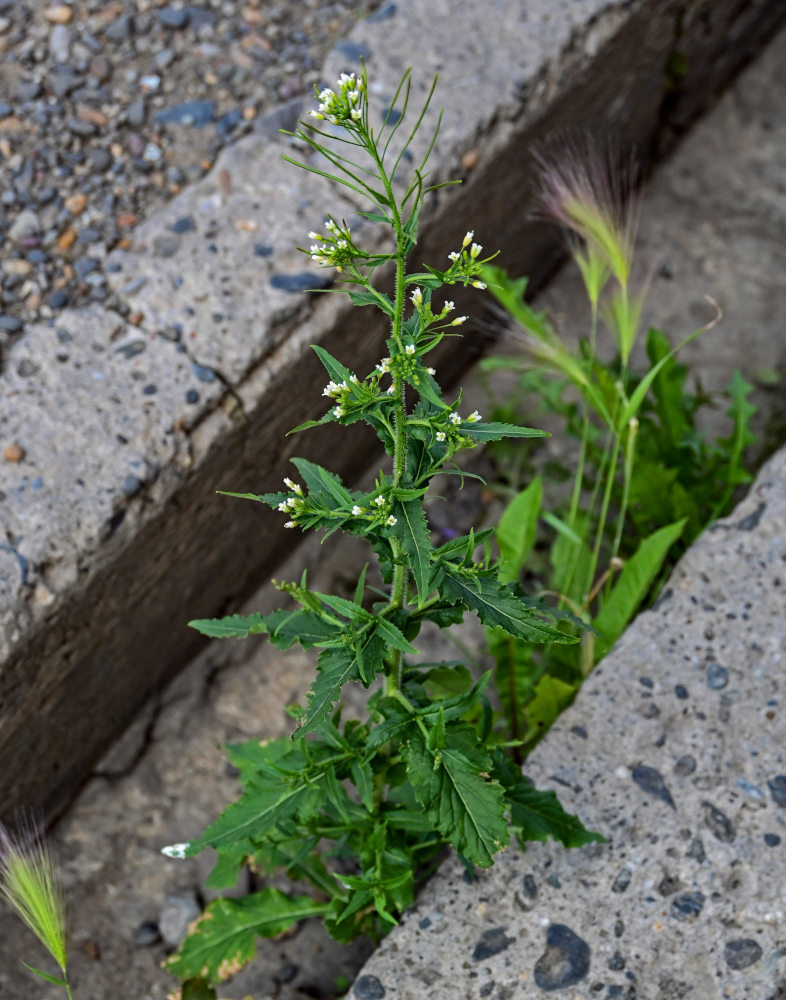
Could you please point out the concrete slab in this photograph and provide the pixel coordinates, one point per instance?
(674, 750)
(96, 582)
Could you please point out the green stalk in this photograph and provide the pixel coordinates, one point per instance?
(604, 510)
(393, 679)
(630, 453)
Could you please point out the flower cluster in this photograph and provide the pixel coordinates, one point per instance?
(343, 106)
(379, 511)
(466, 265)
(336, 247)
(447, 429)
(427, 316)
(292, 505)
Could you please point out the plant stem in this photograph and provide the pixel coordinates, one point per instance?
(393, 679)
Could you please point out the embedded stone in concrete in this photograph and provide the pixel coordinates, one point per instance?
(699, 910)
(101, 572)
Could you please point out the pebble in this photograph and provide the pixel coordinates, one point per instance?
(368, 988)
(741, 953)
(175, 916)
(60, 43)
(135, 115)
(13, 452)
(147, 934)
(491, 942)
(171, 17)
(717, 676)
(196, 113)
(25, 224)
(651, 781)
(687, 905)
(565, 962)
(58, 14)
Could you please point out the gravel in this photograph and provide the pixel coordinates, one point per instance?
(110, 106)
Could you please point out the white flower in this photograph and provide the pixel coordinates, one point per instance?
(454, 418)
(358, 510)
(417, 298)
(290, 524)
(283, 507)
(296, 487)
(354, 380)
(357, 114)
(459, 320)
(384, 366)
(314, 236)
(391, 521)
(474, 417)
(409, 349)
(432, 371)
(454, 256)
(331, 226)
(379, 501)
(338, 411)
(479, 284)
(448, 307)
(342, 244)
(468, 238)
(391, 389)
(440, 435)
(177, 851)
(331, 389)
(316, 114)
(291, 503)
(475, 250)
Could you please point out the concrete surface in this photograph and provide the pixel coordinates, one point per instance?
(110, 463)
(674, 750)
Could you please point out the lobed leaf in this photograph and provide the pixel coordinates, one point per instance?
(224, 938)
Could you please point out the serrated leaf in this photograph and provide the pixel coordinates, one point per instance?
(337, 372)
(224, 938)
(373, 298)
(497, 431)
(226, 870)
(495, 604)
(271, 499)
(363, 778)
(394, 636)
(264, 803)
(411, 530)
(632, 586)
(321, 483)
(465, 807)
(538, 815)
(516, 530)
(231, 627)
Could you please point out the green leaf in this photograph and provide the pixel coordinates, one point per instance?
(264, 803)
(497, 431)
(373, 298)
(363, 778)
(336, 371)
(224, 938)
(496, 604)
(411, 530)
(271, 499)
(515, 674)
(632, 586)
(322, 484)
(552, 696)
(336, 666)
(394, 636)
(537, 815)
(45, 975)
(465, 807)
(231, 627)
(516, 530)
